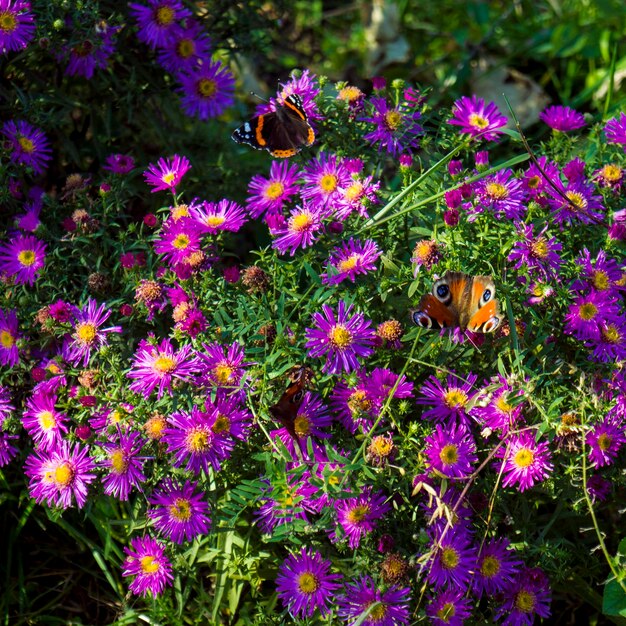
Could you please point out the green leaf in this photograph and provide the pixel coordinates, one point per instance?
(614, 599)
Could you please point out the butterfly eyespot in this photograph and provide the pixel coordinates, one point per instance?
(491, 324)
(422, 319)
(442, 291)
(486, 296)
(297, 397)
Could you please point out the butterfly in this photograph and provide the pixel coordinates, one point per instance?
(282, 133)
(460, 300)
(286, 409)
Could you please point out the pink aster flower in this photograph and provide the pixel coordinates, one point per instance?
(525, 461)
(179, 240)
(323, 178)
(147, 562)
(300, 231)
(119, 163)
(270, 195)
(43, 421)
(124, 465)
(448, 402)
(340, 337)
(157, 22)
(60, 475)
(167, 173)
(87, 334)
(451, 451)
(233, 419)
(27, 144)
(502, 194)
(158, 366)
(214, 217)
(9, 334)
(351, 258)
(477, 119)
(536, 254)
(582, 205)
(7, 450)
(605, 441)
(22, 258)
(615, 130)
(222, 366)
(562, 118)
(17, 25)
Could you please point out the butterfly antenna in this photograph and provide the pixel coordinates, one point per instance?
(254, 94)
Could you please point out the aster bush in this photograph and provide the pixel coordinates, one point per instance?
(160, 283)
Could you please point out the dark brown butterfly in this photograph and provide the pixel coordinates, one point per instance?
(286, 409)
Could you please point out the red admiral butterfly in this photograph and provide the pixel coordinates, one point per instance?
(282, 133)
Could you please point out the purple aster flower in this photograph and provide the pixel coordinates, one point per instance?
(304, 583)
(502, 194)
(193, 442)
(157, 22)
(87, 334)
(382, 381)
(453, 559)
(427, 253)
(185, 49)
(605, 441)
(612, 343)
(43, 421)
(341, 337)
(535, 182)
(598, 488)
(615, 130)
(88, 55)
(449, 608)
(179, 512)
(501, 412)
(583, 206)
(179, 240)
(158, 366)
(536, 254)
(147, 562)
(17, 25)
(357, 196)
(588, 313)
(207, 90)
(351, 258)
(6, 408)
(59, 475)
(527, 596)
(448, 402)
(27, 145)
(123, 463)
(9, 334)
(451, 451)
(359, 516)
(525, 461)
(233, 419)
(222, 366)
(167, 173)
(119, 163)
(496, 569)
(397, 128)
(478, 119)
(562, 118)
(7, 450)
(270, 195)
(214, 217)
(356, 406)
(602, 274)
(22, 258)
(300, 231)
(323, 178)
(391, 607)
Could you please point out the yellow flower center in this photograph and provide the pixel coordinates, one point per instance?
(449, 558)
(446, 612)
(502, 405)
(540, 248)
(222, 424)
(349, 94)
(454, 398)
(26, 258)
(149, 564)
(378, 613)
(207, 87)
(168, 178)
(358, 514)
(524, 457)
(302, 425)
(86, 332)
(180, 509)
(186, 48)
(7, 340)
(274, 190)
(119, 462)
(181, 241)
(307, 582)
(393, 119)
(26, 144)
(611, 173)
(604, 441)
(340, 337)
(349, 263)
(600, 280)
(358, 402)
(611, 334)
(63, 474)
(576, 199)
(588, 311)
(223, 373)
(354, 191)
(46, 420)
(533, 182)
(164, 15)
(381, 446)
(182, 210)
(115, 417)
(215, 220)
(8, 23)
(490, 566)
(478, 121)
(155, 426)
(328, 183)
(497, 191)
(164, 364)
(197, 440)
(525, 601)
(301, 222)
(449, 454)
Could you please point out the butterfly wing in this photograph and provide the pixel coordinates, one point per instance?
(286, 409)
(483, 313)
(432, 313)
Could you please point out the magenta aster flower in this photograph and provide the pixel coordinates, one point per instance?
(9, 334)
(391, 606)
(449, 608)
(193, 442)
(214, 217)
(207, 90)
(119, 163)
(525, 461)
(179, 512)
(605, 441)
(602, 274)
(496, 569)
(535, 182)
(536, 254)
(587, 315)
(187, 47)
(323, 178)
(451, 451)
(222, 366)
(179, 240)
(7, 450)
(501, 412)
(453, 559)
(167, 173)
(340, 337)
(89, 55)
(233, 419)
(27, 145)
(270, 195)
(304, 583)
(356, 406)
(6, 408)
(147, 562)
(615, 130)
(562, 118)
(158, 366)
(123, 463)
(22, 258)
(43, 421)
(17, 25)
(583, 206)
(397, 128)
(502, 194)
(611, 346)
(60, 475)
(598, 488)
(351, 258)
(527, 596)
(359, 516)
(357, 197)
(87, 334)
(300, 231)
(478, 119)
(448, 401)
(382, 381)
(157, 22)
